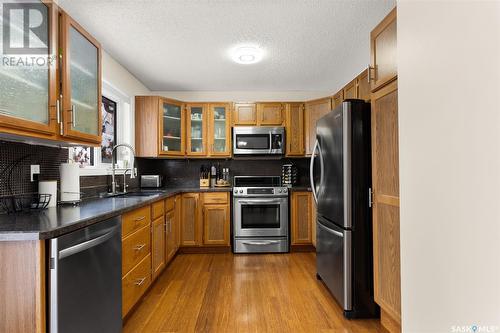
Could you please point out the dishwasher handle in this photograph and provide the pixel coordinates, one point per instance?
(87, 244)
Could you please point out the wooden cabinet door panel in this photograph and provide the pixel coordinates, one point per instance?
(295, 129)
(158, 248)
(170, 234)
(363, 86)
(81, 82)
(177, 221)
(270, 114)
(314, 110)
(172, 128)
(219, 130)
(190, 220)
(385, 175)
(216, 224)
(244, 114)
(350, 90)
(301, 218)
(383, 51)
(197, 129)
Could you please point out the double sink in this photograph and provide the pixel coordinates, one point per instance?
(131, 194)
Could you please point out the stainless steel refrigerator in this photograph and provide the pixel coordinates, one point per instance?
(341, 184)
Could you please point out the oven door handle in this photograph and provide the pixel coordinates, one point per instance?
(250, 202)
(260, 243)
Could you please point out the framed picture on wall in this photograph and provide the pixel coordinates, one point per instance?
(83, 156)
(108, 114)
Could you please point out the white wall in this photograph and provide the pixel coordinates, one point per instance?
(449, 123)
(244, 96)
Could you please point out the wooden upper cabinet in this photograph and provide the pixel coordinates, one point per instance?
(190, 219)
(172, 127)
(363, 86)
(219, 130)
(337, 99)
(301, 221)
(350, 90)
(295, 129)
(314, 111)
(270, 114)
(147, 119)
(196, 129)
(80, 82)
(28, 98)
(244, 114)
(383, 66)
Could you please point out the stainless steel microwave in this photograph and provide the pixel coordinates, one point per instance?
(258, 140)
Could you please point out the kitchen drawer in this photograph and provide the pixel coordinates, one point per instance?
(169, 204)
(135, 284)
(135, 247)
(135, 220)
(215, 198)
(158, 209)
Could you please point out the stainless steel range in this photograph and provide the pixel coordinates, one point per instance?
(260, 215)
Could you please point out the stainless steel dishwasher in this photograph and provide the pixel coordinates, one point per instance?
(85, 290)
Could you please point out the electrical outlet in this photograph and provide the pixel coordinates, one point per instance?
(34, 170)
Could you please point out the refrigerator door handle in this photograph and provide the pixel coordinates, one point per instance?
(331, 231)
(311, 173)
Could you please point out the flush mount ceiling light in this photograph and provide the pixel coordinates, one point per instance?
(247, 55)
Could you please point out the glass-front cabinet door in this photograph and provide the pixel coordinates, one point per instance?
(171, 128)
(220, 130)
(28, 71)
(81, 82)
(196, 129)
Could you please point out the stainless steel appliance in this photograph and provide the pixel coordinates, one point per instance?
(258, 140)
(85, 289)
(260, 215)
(151, 181)
(341, 190)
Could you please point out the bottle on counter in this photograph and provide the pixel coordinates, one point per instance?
(213, 174)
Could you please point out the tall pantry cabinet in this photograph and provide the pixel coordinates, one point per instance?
(385, 172)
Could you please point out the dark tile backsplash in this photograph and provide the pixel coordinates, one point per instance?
(15, 161)
(16, 158)
(180, 172)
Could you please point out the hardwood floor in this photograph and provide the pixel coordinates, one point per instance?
(242, 293)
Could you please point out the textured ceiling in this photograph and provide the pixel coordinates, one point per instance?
(183, 44)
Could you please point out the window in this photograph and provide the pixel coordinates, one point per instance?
(117, 128)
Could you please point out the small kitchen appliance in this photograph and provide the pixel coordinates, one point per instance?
(258, 140)
(151, 181)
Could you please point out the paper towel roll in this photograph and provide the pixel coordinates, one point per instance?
(49, 187)
(70, 182)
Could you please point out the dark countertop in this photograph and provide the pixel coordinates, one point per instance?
(56, 221)
(300, 189)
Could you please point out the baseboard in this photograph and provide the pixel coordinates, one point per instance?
(389, 323)
(302, 248)
(204, 249)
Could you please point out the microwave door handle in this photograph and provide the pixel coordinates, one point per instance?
(270, 142)
(311, 173)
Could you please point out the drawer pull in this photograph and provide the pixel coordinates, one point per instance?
(139, 282)
(140, 218)
(139, 247)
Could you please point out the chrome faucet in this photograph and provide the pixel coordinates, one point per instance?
(113, 161)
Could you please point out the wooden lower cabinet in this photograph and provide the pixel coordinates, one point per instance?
(216, 226)
(158, 246)
(301, 218)
(190, 217)
(135, 283)
(205, 219)
(170, 226)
